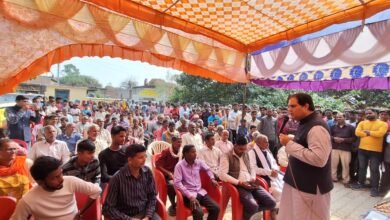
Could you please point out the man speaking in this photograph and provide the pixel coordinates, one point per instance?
(308, 180)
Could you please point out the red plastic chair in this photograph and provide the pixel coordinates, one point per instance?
(161, 185)
(104, 194)
(94, 212)
(154, 159)
(230, 191)
(21, 143)
(161, 210)
(182, 212)
(8, 205)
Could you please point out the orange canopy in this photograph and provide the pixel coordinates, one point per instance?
(208, 38)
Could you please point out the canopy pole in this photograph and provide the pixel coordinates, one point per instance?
(247, 74)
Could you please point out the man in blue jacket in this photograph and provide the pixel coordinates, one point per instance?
(19, 118)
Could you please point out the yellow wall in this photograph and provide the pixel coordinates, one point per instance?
(79, 93)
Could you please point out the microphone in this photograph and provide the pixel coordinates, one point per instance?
(285, 120)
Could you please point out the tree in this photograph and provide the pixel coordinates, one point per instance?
(74, 78)
(198, 90)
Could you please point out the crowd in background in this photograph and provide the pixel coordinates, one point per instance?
(96, 133)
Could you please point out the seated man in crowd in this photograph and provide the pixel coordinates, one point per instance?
(132, 191)
(48, 120)
(50, 146)
(83, 124)
(15, 179)
(210, 154)
(113, 158)
(235, 169)
(192, 137)
(84, 165)
(70, 137)
(224, 144)
(264, 165)
(168, 134)
(187, 180)
(159, 132)
(92, 133)
(53, 197)
(166, 164)
(136, 132)
(104, 134)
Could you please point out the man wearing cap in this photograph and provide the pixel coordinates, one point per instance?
(19, 118)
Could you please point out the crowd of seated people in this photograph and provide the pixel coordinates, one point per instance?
(102, 146)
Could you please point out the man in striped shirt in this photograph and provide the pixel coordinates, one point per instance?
(84, 166)
(132, 193)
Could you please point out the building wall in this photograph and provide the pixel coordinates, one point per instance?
(79, 93)
(144, 93)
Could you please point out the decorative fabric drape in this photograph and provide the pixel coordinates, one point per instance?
(367, 76)
(30, 30)
(340, 49)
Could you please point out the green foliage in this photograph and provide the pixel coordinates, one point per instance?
(74, 78)
(198, 90)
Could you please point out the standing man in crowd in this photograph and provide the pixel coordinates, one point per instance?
(19, 118)
(232, 122)
(371, 133)
(268, 126)
(343, 137)
(308, 179)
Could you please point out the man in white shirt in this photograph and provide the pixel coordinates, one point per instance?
(264, 165)
(75, 112)
(51, 109)
(235, 168)
(254, 121)
(53, 198)
(83, 124)
(211, 155)
(232, 121)
(192, 137)
(224, 144)
(50, 146)
(104, 134)
(92, 133)
(100, 114)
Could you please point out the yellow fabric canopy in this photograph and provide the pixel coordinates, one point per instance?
(204, 38)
